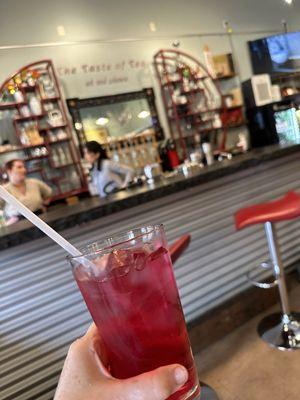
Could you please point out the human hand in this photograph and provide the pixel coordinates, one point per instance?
(84, 376)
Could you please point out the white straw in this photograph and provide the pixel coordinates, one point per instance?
(39, 223)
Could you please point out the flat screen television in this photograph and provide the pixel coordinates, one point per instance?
(276, 54)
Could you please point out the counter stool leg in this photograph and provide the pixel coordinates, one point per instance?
(278, 266)
(281, 330)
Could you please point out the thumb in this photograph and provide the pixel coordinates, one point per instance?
(158, 384)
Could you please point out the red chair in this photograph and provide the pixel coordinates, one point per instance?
(280, 330)
(176, 249)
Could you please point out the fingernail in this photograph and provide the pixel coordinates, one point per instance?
(181, 375)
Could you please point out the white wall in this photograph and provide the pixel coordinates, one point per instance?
(35, 22)
(89, 19)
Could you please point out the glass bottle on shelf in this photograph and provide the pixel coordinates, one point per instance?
(134, 155)
(68, 155)
(62, 156)
(151, 149)
(18, 96)
(55, 158)
(115, 153)
(127, 154)
(35, 105)
(75, 181)
(144, 150)
(24, 139)
(217, 122)
(52, 136)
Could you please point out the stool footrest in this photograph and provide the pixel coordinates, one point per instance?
(262, 285)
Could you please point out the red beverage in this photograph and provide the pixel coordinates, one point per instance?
(133, 298)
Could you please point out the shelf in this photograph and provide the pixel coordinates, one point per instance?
(65, 165)
(11, 105)
(11, 150)
(220, 110)
(29, 88)
(29, 146)
(192, 91)
(50, 128)
(36, 157)
(59, 140)
(207, 130)
(33, 170)
(198, 113)
(46, 99)
(176, 81)
(56, 127)
(20, 119)
(225, 77)
(229, 126)
(220, 78)
(8, 102)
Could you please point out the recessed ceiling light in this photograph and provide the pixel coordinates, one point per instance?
(143, 114)
(152, 26)
(289, 2)
(78, 125)
(102, 121)
(61, 30)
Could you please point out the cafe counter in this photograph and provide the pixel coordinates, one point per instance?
(41, 308)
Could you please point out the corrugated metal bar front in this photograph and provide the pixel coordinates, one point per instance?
(41, 310)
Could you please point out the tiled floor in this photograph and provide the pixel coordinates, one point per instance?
(243, 367)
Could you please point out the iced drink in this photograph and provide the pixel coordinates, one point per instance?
(132, 296)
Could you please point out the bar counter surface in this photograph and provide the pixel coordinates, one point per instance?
(92, 208)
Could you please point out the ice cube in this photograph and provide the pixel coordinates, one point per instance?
(140, 258)
(100, 272)
(118, 263)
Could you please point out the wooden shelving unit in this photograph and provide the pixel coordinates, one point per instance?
(193, 100)
(42, 131)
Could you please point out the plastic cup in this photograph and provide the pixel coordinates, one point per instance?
(130, 290)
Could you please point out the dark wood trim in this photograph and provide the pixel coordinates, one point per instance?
(111, 99)
(219, 322)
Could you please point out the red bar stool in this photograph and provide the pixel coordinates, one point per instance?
(176, 249)
(280, 330)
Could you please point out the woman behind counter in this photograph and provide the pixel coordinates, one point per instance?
(33, 193)
(107, 175)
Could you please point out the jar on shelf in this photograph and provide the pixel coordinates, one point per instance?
(18, 96)
(35, 105)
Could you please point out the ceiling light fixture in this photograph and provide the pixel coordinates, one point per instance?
(102, 121)
(289, 2)
(143, 114)
(61, 31)
(152, 26)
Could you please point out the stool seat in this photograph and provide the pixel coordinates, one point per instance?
(288, 207)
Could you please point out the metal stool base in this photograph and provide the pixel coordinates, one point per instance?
(277, 333)
(207, 393)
